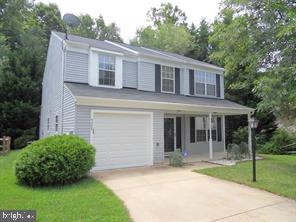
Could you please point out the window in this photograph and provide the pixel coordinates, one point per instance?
(205, 84)
(201, 133)
(56, 123)
(200, 81)
(167, 79)
(202, 129)
(214, 129)
(106, 70)
(211, 84)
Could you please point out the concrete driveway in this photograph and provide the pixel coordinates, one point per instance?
(167, 194)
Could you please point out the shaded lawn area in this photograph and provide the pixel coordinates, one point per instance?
(88, 200)
(275, 173)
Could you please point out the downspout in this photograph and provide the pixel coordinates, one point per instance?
(63, 71)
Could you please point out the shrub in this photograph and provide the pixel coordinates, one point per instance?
(240, 135)
(176, 159)
(55, 160)
(237, 152)
(280, 138)
(23, 140)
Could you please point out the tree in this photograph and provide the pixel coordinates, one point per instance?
(200, 36)
(97, 29)
(167, 13)
(162, 38)
(168, 31)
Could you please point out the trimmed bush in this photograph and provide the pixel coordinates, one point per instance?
(280, 138)
(176, 159)
(55, 160)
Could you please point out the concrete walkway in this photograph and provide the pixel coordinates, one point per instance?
(166, 194)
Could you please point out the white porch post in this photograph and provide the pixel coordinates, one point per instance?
(210, 136)
(223, 133)
(250, 134)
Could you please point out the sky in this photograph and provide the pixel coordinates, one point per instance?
(131, 14)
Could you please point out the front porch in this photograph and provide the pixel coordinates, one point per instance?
(199, 136)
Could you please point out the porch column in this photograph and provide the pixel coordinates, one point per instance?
(250, 134)
(210, 136)
(223, 133)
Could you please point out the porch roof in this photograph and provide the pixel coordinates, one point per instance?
(87, 95)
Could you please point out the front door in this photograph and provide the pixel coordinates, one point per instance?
(169, 134)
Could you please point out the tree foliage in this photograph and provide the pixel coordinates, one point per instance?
(25, 29)
(96, 28)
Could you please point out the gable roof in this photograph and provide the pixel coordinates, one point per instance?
(136, 50)
(127, 94)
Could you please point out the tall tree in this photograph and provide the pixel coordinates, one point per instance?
(167, 13)
(162, 38)
(201, 49)
(96, 28)
(168, 30)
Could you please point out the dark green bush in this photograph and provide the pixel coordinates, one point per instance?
(176, 159)
(55, 160)
(240, 135)
(23, 140)
(280, 138)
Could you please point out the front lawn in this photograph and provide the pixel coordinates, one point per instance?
(275, 173)
(88, 200)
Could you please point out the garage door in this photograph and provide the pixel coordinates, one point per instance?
(122, 139)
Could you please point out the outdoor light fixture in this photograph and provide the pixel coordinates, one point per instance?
(253, 124)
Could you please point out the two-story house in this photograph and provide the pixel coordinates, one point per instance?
(134, 104)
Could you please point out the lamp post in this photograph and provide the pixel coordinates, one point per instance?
(254, 124)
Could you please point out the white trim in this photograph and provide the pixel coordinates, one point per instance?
(223, 133)
(120, 46)
(80, 50)
(92, 101)
(93, 111)
(56, 35)
(106, 51)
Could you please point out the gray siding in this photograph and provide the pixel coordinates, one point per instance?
(146, 76)
(130, 74)
(68, 112)
(83, 126)
(76, 67)
(52, 88)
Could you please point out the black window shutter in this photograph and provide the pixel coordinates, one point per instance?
(219, 129)
(218, 87)
(177, 81)
(157, 78)
(191, 81)
(192, 129)
(178, 132)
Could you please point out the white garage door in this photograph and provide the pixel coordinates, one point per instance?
(122, 139)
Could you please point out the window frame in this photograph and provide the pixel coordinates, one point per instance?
(174, 79)
(108, 70)
(206, 82)
(207, 129)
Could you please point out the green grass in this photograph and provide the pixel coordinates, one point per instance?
(275, 173)
(88, 200)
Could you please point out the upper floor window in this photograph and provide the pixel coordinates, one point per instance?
(107, 70)
(205, 84)
(167, 79)
(200, 80)
(211, 84)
